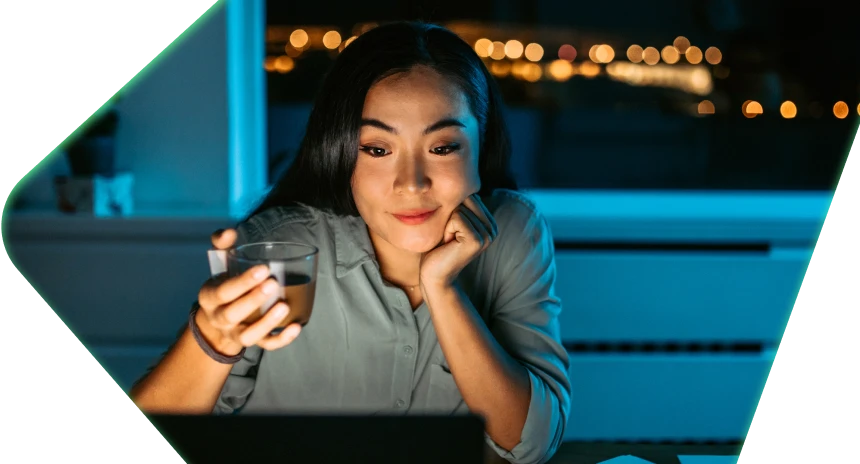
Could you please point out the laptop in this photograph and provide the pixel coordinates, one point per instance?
(324, 439)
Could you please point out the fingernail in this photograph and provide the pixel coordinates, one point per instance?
(281, 310)
(270, 287)
(261, 272)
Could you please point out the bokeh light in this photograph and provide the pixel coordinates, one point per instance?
(483, 47)
(713, 55)
(299, 38)
(514, 49)
(498, 51)
(589, 69)
(670, 54)
(284, 64)
(706, 107)
(560, 70)
(518, 69)
(693, 55)
(788, 109)
(592, 53)
(532, 72)
(604, 54)
(534, 52)
(500, 68)
(349, 41)
(634, 53)
(651, 56)
(681, 43)
(269, 64)
(840, 110)
(567, 52)
(331, 40)
(751, 109)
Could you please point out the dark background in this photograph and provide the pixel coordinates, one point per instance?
(603, 134)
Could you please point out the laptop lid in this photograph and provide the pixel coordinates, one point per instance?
(324, 439)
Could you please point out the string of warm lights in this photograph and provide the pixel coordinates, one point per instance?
(680, 65)
(693, 79)
(787, 110)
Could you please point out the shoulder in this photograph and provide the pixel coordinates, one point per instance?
(299, 223)
(280, 221)
(516, 215)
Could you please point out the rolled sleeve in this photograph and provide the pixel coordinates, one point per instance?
(525, 323)
(240, 383)
(543, 430)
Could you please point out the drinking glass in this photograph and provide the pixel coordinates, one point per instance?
(293, 265)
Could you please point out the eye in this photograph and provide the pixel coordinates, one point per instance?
(445, 149)
(375, 152)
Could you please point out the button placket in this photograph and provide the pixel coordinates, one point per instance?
(407, 348)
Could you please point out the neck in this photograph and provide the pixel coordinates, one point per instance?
(397, 266)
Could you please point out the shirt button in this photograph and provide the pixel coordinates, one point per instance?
(400, 404)
(407, 350)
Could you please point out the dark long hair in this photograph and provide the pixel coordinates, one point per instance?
(321, 174)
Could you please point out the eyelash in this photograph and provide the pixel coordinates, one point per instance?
(451, 148)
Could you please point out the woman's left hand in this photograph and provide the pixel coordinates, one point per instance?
(469, 231)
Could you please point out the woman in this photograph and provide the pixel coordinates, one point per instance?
(435, 279)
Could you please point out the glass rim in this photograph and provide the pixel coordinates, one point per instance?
(311, 251)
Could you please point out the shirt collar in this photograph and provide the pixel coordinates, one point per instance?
(352, 244)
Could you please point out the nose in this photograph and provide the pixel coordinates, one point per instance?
(411, 175)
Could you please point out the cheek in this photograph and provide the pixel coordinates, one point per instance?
(367, 188)
(457, 181)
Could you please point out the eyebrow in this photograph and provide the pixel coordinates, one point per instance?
(439, 125)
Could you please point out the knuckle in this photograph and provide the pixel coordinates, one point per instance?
(230, 319)
(221, 293)
(220, 324)
(225, 319)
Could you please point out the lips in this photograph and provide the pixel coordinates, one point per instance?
(415, 216)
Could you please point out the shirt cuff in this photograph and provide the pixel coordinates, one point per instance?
(542, 432)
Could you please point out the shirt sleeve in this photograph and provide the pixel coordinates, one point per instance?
(524, 320)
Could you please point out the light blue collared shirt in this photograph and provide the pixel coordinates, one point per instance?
(366, 351)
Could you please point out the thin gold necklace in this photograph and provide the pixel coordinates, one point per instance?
(410, 287)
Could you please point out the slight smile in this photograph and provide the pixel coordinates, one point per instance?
(415, 217)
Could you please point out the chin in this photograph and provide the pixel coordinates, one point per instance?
(418, 243)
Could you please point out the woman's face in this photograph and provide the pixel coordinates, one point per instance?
(417, 159)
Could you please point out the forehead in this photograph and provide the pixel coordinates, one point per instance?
(418, 96)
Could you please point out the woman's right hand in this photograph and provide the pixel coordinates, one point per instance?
(227, 301)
